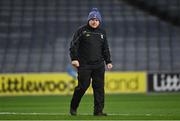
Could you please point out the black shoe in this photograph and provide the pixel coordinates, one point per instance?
(100, 114)
(73, 112)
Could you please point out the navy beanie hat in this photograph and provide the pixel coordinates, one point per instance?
(94, 14)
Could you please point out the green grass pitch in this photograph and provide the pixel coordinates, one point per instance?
(161, 106)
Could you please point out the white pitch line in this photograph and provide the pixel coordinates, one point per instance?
(36, 113)
(19, 113)
(111, 114)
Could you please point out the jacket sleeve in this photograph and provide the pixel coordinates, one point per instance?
(74, 46)
(106, 51)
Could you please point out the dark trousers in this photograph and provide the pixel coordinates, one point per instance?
(84, 80)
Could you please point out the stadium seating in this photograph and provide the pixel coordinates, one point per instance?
(35, 34)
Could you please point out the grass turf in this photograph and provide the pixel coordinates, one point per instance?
(120, 106)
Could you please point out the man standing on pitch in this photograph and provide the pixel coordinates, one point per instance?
(89, 50)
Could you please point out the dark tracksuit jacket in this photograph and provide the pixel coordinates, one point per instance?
(90, 47)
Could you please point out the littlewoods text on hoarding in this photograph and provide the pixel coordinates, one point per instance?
(18, 85)
(40, 84)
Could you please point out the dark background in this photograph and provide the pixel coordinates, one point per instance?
(144, 35)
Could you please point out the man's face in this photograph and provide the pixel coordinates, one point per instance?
(94, 23)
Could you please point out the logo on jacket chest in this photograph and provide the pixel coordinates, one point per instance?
(88, 34)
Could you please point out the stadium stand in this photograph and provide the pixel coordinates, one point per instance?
(144, 35)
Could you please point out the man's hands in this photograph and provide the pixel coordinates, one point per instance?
(75, 63)
(109, 66)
